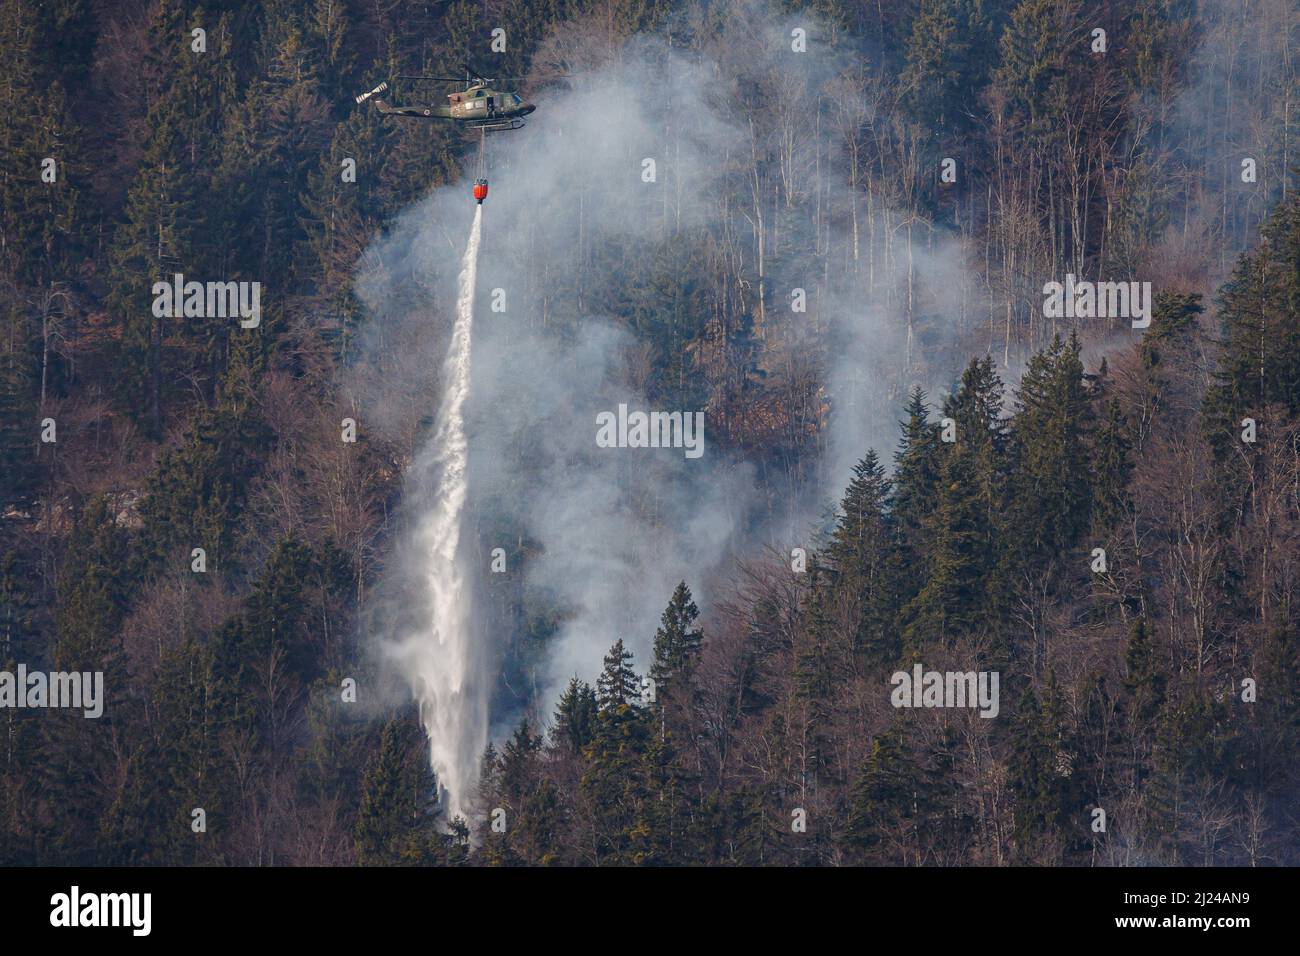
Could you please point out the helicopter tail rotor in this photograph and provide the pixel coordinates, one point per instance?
(381, 88)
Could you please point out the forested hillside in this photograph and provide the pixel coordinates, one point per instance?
(1106, 516)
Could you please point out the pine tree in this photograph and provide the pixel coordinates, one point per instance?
(19, 418)
(340, 218)
(279, 131)
(92, 593)
(966, 573)
(536, 832)
(1111, 470)
(92, 599)
(517, 759)
(1194, 740)
(677, 642)
(197, 493)
(39, 220)
(1041, 776)
(617, 687)
(1052, 432)
(1277, 730)
(1260, 360)
(1144, 697)
(575, 717)
(818, 666)
(164, 214)
(945, 61)
(615, 777)
(865, 560)
(916, 481)
(892, 801)
(1037, 49)
(20, 737)
(1261, 350)
(277, 612)
(661, 831)
(396, 823)
(327, 37)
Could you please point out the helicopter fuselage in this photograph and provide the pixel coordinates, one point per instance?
(476, 107)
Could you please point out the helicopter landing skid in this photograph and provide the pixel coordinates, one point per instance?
(494, 126)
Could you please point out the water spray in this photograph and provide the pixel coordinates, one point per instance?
(447, 669)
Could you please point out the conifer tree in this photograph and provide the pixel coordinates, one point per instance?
(196, 494)
(1052, 433)
(575, 717)
(916, 480)
(966, 572)
(92, 600)
(891, 801)
(1144, 696)
(1112, 469)
(946, 58)
(864, 555)
(1037, 48)
(1261, 358)
(617, 687)
(1042, 767)
(396, 823)
(615, 777)
(677, 642)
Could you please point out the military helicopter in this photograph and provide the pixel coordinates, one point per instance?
(477, 106)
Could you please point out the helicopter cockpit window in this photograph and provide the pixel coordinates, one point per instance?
(479, 93)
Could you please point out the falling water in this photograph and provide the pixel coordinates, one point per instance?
(445, 661)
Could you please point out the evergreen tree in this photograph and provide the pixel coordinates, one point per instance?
(341, 217)
(1144, 697)
(946, 59)
(916, 480)
(1040, 47)
(966, 573)
(1052, 432)
(92, 591)
(197, 494)
(617, 687)
(864, 555)
(517, 758)
(19, 419)
(397, 820)
(892, 801)
(1112, 469)
(677, 642)
(575, 717)
(1193, 740)
(1042, 767)
(163, 215)
(19, 732)
(614, 780)
(1260, 365)
(279, 131)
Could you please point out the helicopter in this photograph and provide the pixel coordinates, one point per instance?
(477, 106)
